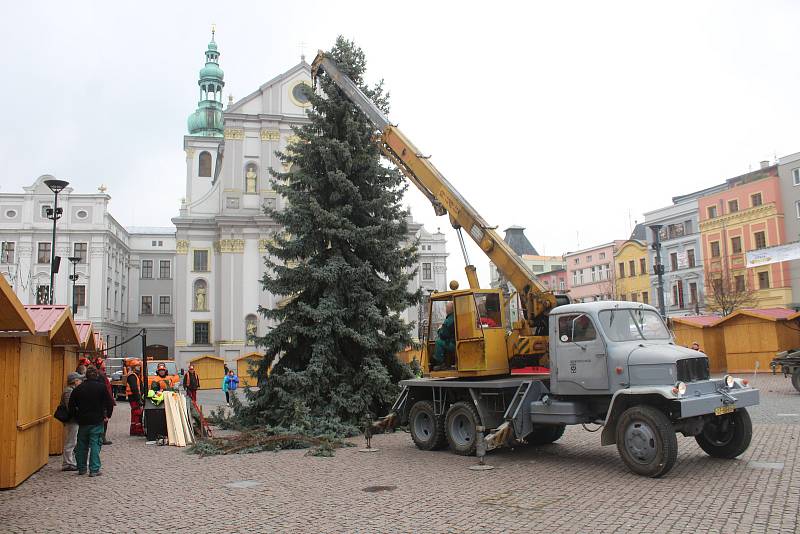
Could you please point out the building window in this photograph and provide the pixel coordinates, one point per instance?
(673, 261)
(715, 249)
(796, 176)
(677, 294)
(201, 333)
(621, 297)
(7, 252)
(690, 257)
(693, 292)
(108, 298)
(43, 294)
(204, 165)
(147, 305)
(645, 297)
(601, 256)
(621, 269)
(115, 299)
(632, 267)
(736, 244)
(733, 206)
(763, 280)
(147, 268)
(164, 307)
(589, 258)
(761, 240)
(642, 266)
(80, 250)
(427, 273)
(712, 212)
(163, 269)
(739, 281)
(577, 261)
(755, 199)
(45, 209)
(562, 285)
(80, 295)
(200, 260)
(687, 227)
(635, 297)
(44, 253)
(797, 208)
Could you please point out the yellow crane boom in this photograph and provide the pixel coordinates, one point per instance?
(536, 300)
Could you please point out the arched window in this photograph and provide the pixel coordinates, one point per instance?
(250, 328)
(251, 178)
(200, 300)
(204, 167)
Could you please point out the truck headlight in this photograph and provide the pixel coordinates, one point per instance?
(728, 381)
(679, 389)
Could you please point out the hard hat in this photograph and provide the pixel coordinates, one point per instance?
(134, 362)
(161, 366)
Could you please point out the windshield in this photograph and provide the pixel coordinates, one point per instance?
(633, 325)
(172, 368)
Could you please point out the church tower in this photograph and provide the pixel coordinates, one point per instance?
(207, 119)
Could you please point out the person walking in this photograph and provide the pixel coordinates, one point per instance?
(70, 426)
(229, 383)
(89, 404)
(191, 383)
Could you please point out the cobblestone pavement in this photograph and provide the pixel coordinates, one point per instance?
(571, 486)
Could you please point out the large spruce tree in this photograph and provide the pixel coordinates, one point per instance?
(345, 262)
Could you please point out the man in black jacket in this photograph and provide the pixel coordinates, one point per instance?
(89, 404)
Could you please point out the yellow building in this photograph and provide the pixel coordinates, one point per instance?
(632, 272)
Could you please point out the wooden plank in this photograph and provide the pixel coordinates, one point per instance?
(187, 432)
(170, 427)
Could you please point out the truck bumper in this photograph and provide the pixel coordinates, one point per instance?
(698, 402)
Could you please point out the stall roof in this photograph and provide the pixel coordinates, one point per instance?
(13, 317)
(56, 322)
(86, 334)
(768, 314)
(699, 321)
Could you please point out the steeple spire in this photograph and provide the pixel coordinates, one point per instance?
(207, 119)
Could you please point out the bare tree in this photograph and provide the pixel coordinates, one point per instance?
(727, 292)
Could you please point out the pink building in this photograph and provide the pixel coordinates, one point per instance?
(590, 272)
(555, 280)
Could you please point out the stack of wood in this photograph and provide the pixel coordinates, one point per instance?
(179, 425)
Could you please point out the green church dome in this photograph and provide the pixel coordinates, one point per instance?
(207, 120)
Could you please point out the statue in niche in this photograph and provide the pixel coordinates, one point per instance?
(200, 297)
(251, 179)
(251, 327)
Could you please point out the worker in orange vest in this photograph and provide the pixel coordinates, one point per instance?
(165, 381)
(134, 384)
(191, 383)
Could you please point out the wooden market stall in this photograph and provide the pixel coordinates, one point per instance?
(702, 329)
(754, 336)
(245, 365)
(210, 370)
(27, 337)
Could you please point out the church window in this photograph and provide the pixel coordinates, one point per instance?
(200, 260)
(204, 167)
(201, 331)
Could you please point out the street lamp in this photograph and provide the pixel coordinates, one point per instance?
(658, 267)
(54, 214)
(74, 278)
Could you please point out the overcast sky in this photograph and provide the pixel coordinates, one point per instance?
(569, 118)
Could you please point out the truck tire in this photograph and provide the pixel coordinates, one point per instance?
(461, 428)
(796, 379)
(427, 430)
(646, 441)
(726, 436)
(545, 434)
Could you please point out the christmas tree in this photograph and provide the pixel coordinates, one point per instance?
(343, 263)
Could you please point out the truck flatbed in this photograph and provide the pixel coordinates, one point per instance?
(481, 383)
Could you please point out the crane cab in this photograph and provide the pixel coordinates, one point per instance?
(466, 334)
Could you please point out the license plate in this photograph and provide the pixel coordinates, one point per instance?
(722, 410)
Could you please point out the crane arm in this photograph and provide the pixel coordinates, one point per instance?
(536, 299)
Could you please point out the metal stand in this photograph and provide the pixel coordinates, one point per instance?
(480, 451)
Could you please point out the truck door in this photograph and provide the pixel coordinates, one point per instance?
(581, 360)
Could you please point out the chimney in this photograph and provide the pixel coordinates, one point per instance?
(764, 164)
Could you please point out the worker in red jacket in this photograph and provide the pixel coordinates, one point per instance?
(191, 383)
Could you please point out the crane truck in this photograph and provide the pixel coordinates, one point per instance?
(611, 363)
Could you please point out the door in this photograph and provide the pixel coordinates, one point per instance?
(581, 360)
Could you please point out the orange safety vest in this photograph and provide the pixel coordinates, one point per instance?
(128, 390)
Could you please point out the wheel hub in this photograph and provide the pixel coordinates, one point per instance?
(640, 441)
(423, 425)
(461, 430)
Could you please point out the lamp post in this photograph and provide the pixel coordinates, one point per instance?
(74, 278)
(658, 268)
(54, 214)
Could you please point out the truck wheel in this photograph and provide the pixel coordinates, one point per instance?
(545, 434)
(796, 379)
(427, 430)
(461, 428)
(646, 441)
(726, 436)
